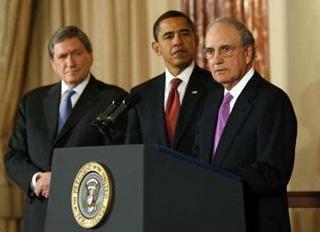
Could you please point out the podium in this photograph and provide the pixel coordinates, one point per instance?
(155, 189)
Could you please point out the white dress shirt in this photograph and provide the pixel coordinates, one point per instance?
(184, 76)
(74, 98)
(237, 89)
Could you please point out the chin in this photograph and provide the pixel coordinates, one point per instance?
(73, 80)
(183, 63)
(219, 78)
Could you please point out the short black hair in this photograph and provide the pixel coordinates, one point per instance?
(68, 32)
(171, 14)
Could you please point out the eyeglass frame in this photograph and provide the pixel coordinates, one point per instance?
(226, 51)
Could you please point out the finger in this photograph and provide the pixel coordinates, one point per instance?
(37, 192)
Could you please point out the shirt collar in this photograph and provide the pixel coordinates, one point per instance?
(184, 75)
(78, 88)
(237, 89)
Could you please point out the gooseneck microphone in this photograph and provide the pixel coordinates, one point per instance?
(106, 122)
(127, 103)
(115, 103)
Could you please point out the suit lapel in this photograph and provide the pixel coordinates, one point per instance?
(237, 118)
(159, 114)
(208, 123)
(82, 107)
(50, 105)
(191, 100)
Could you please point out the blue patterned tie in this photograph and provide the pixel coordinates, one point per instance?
(65, 108)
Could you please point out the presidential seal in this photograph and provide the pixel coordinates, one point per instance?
(91, 194)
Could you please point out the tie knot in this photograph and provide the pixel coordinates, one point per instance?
(68, 94)
(227, 98)
(175, 82)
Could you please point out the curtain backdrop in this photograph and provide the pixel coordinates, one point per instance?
(252, 12)
(15, 21)
(121, 34)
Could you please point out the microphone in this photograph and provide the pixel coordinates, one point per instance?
(105, 123)
(130, 101)
(115, 103)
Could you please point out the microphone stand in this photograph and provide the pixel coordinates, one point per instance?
(107, 120)
(105, 130)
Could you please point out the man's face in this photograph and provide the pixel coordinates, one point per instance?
(176, 44)
(71, 61)
(229, 60)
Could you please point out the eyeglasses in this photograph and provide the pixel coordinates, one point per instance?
(225, 51)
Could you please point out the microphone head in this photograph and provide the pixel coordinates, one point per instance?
(132, 99)
(119, 99)
(114, 104)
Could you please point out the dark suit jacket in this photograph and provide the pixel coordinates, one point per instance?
(258, 144)
(35, 136)
(147, 120)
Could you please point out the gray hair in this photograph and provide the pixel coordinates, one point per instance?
(68, 32)
(246, 35)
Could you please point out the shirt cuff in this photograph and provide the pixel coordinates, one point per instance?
(34, 180)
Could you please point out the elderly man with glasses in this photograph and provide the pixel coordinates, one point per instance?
(252, 126)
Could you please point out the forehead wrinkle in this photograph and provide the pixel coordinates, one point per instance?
(222, 34)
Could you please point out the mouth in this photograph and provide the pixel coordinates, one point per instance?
(179, 52)
(220, 71)
(71, 72)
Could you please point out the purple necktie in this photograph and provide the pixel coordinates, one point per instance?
(223, 116)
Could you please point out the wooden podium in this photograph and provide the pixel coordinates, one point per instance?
(155, 189)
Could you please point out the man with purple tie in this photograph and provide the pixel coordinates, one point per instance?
(248, 127)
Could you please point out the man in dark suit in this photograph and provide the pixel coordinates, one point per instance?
(40, 128)
(150, 121)
(253, 132)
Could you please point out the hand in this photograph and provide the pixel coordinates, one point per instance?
(42, 187)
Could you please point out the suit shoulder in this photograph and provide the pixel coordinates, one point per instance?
(202, 74)
(149, 84)
(41, 91)
(108, 90)
(202, 71)
(104, 85)
(110, 87)
(268, 90)
(205, 77)
(268, 86)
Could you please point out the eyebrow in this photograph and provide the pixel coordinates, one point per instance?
(179, 31)
(222, 45)
(66, 53)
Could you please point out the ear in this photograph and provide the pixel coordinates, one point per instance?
(53, 64)
(91, 58)
(155, 47)
(249, 54)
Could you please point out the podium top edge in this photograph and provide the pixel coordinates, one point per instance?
(167, 151)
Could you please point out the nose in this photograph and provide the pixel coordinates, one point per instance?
(217, 58)
(70, 60)
(177, 40)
